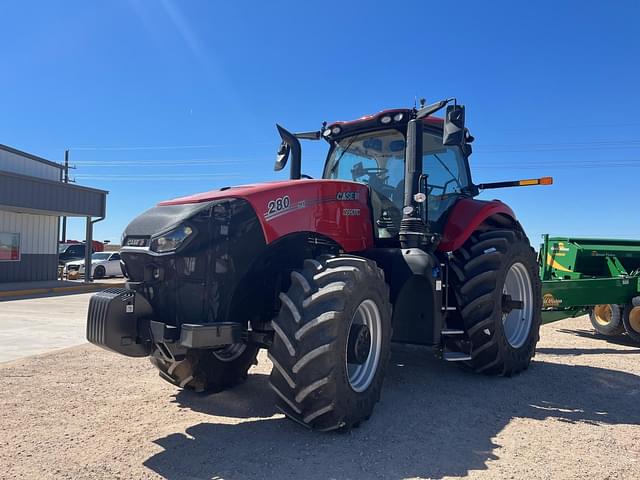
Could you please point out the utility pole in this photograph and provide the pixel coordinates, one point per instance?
(65, 180)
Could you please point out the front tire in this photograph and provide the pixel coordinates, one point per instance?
(99, 272)
(332, 343)
(499, 299)
(208, 371)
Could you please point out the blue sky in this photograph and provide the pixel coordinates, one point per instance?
(551, 88)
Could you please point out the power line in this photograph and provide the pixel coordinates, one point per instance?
(165, 147)
(156, 176)
(154, 163)
(572, 127)
(576, 163)
(558, 147)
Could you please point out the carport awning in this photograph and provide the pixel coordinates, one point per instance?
(36, 195)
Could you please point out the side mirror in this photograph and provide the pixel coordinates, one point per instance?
(282, 156)
(454, 130)
(290, 145)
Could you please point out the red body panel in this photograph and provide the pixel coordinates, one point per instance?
(336, 209)
(466, 217)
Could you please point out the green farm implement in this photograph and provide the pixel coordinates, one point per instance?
(599, 277)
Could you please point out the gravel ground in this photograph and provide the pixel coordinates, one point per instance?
(85, 413)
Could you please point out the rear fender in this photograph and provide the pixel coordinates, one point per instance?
(466, 217)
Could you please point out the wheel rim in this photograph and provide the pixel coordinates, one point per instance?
(366, 321)
(230, 352)
(603, 314)
(517, 320)
(634, 319)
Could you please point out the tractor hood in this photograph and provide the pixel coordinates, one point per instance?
(334, 208)
(240, 191)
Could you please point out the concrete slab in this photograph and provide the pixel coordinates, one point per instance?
(12, 291)
(39, 325)
(11, 286)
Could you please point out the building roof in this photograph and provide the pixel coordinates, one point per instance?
(6, 148)
(29, 190)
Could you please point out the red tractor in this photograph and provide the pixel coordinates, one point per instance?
(389, 245)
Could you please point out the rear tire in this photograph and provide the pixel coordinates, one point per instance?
(631, 319)
(607, 319)
(502, 335)
(328, 368)
(208, 371)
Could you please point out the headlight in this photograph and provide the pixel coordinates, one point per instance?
(169, 241)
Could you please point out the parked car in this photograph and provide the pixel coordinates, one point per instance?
(70, 251)
(103, 264)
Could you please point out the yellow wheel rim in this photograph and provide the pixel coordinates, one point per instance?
(603, 314)
(634, 319)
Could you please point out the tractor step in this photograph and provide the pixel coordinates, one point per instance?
(210, 335)
(456, 356)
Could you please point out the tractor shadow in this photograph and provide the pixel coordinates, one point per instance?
(434, 420)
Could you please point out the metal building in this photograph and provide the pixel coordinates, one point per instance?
(32, 198)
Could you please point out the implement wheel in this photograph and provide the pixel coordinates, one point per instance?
(332, 342)
(499, 298)
(607, 319)
(631, 319)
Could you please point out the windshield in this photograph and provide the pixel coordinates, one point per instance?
(377, 159)
(100, 256)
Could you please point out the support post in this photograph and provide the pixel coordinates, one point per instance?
(65, 179)
(88, 251)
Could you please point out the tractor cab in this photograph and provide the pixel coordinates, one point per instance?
(415, 166)
(376, 155)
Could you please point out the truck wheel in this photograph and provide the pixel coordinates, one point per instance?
(208, 370)
(332, 342)
(607, 319)
(499, 299)
(631, 319)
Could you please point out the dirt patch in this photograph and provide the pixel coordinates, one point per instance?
(85, 413)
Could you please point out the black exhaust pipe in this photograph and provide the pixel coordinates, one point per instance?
(413, 229)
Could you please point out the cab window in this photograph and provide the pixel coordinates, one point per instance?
(447, 174)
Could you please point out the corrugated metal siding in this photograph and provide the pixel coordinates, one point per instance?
(23, 193)
(37, 232)
(15, 163)
(30, 268)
